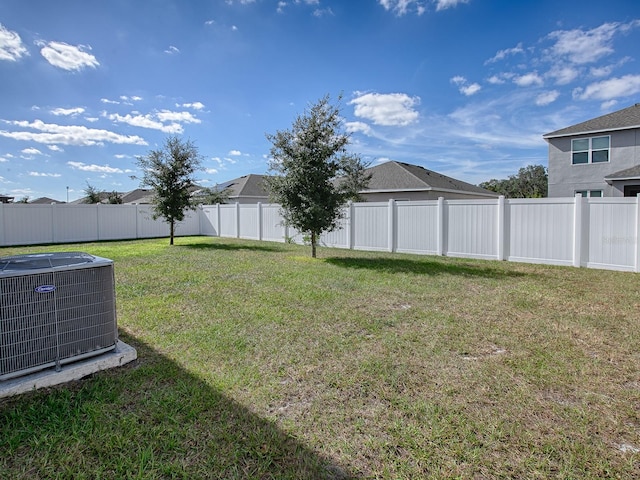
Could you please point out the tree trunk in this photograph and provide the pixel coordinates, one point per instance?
(171, 229)
(313, 244)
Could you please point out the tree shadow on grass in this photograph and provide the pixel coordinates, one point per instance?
(230, 246)
(422, 266)
(149, 419)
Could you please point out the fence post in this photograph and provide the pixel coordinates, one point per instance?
(237, 219)
(391, 243)
(218, 222)
(259, 206)
(501, 232)
(637, 269)
(350, 226)
(440, 227)
(3, 239)
(577, 230)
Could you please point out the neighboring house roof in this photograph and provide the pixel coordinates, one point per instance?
(44, 201)
(397, 176)
(251, 185)
(632, 173)
(6, 199)
(624, 119)
(139, 196)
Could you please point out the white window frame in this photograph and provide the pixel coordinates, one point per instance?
(590, 151)
(590, 193)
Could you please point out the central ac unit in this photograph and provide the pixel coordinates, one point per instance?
(55, 308)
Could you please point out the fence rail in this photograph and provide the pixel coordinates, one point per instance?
(582, 232)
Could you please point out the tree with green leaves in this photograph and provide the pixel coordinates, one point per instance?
(313, 173)
(212, 195)
(92, 194)
(114, 198)
(169, 171)
(530, 182)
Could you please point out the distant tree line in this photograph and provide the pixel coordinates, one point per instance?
(529, 182)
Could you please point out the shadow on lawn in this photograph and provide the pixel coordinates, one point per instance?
(422, 266)
(151, 419)
(233, 247)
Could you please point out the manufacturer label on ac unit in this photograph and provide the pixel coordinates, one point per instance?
(44, 288)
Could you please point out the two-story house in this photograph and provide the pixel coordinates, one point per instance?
(597, 158)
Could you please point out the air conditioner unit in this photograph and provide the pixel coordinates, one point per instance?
(55, 308)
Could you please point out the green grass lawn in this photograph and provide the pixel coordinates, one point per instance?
(256, 361)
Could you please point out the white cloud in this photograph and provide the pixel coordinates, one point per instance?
(67, 111)
(41, 174)
(608, 105)
(211, 171)
(31, 151)
(563, 75)
(106, 100)
(172, 50)
(169, 116)
(354, 127)
(68, 57)
(391, 109)
(194, 105)
(94, 168)
(580, 46)
(11, 46)
(465, 87)
(55, 148)
(610, 89)
(235, 153)
(146, 121)
(502, 54)
(48, 133)
(444, 4)
(546, 98)
(528, 80)
(401, 7)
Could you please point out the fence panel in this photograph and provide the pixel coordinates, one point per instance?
(248, 221)
(27, 224)
(338, 238)
(228, 221)
(272, 223)
(116, 222)
(371, 226)
(541, 230)
(417, 227)
(611, 233)
(471, 228)
(209, 220)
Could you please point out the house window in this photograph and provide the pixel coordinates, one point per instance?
(590, 150)
(590, 193)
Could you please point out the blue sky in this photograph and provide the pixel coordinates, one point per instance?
(463, 87)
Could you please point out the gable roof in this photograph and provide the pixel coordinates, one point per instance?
(251, 185)
(398, 176)
(624, 119)
(44, 201)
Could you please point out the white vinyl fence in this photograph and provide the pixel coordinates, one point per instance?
(582, 232)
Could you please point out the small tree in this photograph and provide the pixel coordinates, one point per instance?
(530, 182)
(314, 176)
(169, 172)
(92, 195)
(114, 198)
(212, 196)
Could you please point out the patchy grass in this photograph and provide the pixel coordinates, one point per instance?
(258, 362)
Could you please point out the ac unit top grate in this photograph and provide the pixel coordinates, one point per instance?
(47, 261)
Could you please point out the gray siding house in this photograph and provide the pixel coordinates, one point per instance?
(597, 158)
